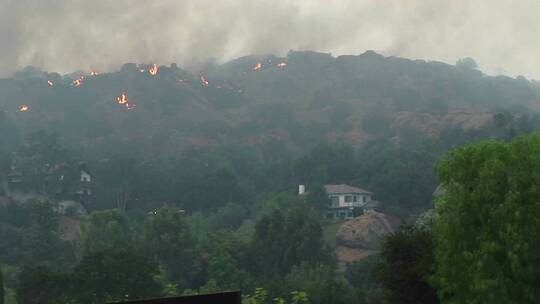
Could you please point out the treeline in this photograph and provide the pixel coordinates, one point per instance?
(450, 255)
(171, 253)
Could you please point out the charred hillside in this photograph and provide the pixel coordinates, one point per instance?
(299, 100)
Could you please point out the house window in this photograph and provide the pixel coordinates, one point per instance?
(355, 198)
(335, 200)
(348, 198)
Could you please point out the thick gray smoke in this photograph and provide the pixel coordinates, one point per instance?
(68, 35)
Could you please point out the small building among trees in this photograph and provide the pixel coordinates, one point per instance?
(345, 201)
(62, 182)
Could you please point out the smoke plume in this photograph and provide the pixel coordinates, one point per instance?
(69, 35)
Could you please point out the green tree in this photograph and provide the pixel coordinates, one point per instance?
(362, 276)
(274, 201)
(404, 267)
(114, 275)
(487, 232)
(41, 285)
(321, 282)
(105, 230)
(317, 198)
(224, 271)
(41, 240)
(229, 216)
(261, 297)
(168, 238)
(284, 239)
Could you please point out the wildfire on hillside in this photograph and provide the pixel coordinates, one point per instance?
(124, 101)
(204, 81)
(24, 108)
(282, 65)
(77, 82)
(258, 66)
(50, 83)
(153, 70)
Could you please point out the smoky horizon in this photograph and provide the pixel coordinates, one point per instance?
(67, 36)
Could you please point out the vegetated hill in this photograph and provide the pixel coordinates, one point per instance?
(298, 100)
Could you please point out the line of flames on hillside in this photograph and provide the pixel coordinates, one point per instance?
(154, 70)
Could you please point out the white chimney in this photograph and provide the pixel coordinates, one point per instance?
(301, 189)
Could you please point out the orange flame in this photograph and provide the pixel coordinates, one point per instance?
(204, 81)
(50, 83)
(258, 66)
(122, 99)
(93, 73)
(153, 70)
(282, 64)
(77, 82)
(24, 108)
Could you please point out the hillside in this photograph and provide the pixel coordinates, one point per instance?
(238, 131)
(298, 100)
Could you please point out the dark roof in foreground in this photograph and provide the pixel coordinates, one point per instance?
(342, 189)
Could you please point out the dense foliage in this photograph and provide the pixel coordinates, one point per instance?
(487, 230)
(405, 266)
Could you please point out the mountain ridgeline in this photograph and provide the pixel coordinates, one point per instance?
(298, 101)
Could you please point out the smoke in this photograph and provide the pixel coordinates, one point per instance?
(69, 35)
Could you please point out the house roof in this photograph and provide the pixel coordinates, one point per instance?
(342, 189)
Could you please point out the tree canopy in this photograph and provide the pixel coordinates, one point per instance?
(487, 227)
(284, 239)
(404, 267)
(105, 230)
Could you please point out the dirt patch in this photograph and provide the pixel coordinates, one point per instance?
(362, 236)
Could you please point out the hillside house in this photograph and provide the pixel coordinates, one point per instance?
(61, 183)
(346, 202)
(84, 186)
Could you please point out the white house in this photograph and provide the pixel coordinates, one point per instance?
(346, 199)
(85, 181)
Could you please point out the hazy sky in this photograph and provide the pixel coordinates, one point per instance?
(66, 35)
